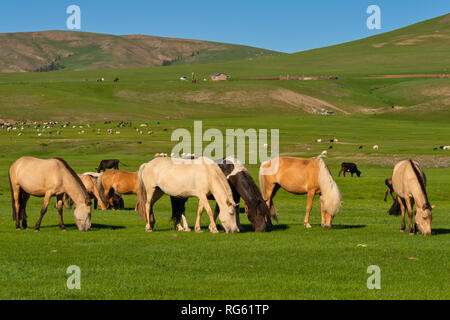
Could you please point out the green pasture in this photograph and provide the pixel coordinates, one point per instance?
(119, 260)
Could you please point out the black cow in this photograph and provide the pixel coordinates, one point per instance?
(109, 164)
(349, 167)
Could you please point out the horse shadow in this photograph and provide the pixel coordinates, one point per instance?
(439, 231)
(348, 226)
(94, 226)
(342, 226)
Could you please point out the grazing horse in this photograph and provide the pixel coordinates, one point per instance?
(47, 178)
(90, 183)
(109, 164)
(186, 178)
(119, 181)
(302, 176)
(409, 182)
(242, 185)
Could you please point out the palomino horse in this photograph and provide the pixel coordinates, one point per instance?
(242, 185)
(186, 178)
(302, 176)
(90, 183)
(409, 182)
(47, 178)
(120, 181)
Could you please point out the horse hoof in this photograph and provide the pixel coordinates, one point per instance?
(198, 230)
(401, 230)
(214, 231)
(17, 228)
(63, 230)
(187, 230)
(307, 225)
(412, 233)
(37, 230)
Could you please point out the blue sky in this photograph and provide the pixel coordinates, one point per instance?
(283, 25)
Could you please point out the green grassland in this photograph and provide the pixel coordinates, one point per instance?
(119, 260)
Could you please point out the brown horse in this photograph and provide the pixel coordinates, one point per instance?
(47, 178)
(409, 182)
(90, 183)
(120, 181)
(302, 176)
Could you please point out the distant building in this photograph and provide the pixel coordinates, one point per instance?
(219, 77)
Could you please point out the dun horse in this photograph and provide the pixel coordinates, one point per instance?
(47, 178)
(119, 181)
(242, 185)
(302, 176)
(409, 182)
(183, 179)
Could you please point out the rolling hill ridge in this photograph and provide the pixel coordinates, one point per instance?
(72, 50)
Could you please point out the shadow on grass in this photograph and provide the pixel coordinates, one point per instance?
(439, 231)
(348, 226)
(94, 226)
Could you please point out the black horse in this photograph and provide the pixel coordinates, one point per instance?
(242, 186)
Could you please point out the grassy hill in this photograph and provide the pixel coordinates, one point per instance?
(53, 50)
(157, 93)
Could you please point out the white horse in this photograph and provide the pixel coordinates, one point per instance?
(186, 178)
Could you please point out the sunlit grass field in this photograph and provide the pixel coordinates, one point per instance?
(119, 260)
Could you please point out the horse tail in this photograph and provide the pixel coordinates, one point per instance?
(142, 194)
(262, 186)
(22, 214)
(332, 197)
(101, 190)
(14, 212)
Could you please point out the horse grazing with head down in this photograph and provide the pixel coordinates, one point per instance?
(47, 178)
(409, 183)
(242, 186)
(301, 176)
(184, 178)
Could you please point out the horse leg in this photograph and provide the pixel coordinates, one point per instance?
(309, 203)
(237, 200)
(199, 216)
(268, 195)
(410, 214)
(153, 196)
(402, 209)
(385, 195)
(47, 197)
(212, 224)
(339, 174)
(59, 207)
(23, 205)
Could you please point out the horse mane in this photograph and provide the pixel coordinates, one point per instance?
(421, 182)
(75, 176)
(221, 177)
